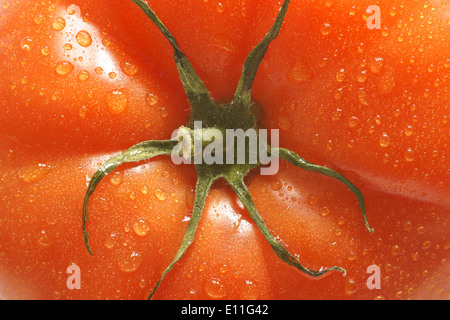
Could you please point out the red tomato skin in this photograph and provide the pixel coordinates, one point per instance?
(389, 134)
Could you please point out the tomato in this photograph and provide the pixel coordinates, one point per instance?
(81, 81)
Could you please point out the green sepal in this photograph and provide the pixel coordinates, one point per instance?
(242, 96)
(295, 159)
(204, 182)
(141, 151)
(196, 92)
(243, 194)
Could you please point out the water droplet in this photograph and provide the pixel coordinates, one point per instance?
(71, 9)
(340, 75)
(151, 99)
(83, 75)
(160, 194)
(338, 93)
(415, 256)
(351, 287)
(63, 68)
(276, 185)
(426, 244)
(250, 291)
(299, 72)
(45, 50)
(98, 70)
(27, 44)
(384, 140)
(284, 123)
(325, 29)
(395, 250)
(324, 211)
(34, 172)
(130, 261)
(362, 97)
(352, 121)
(375, 65)
(83, 38)
(106, 42)
(214, 289)
(112, 75)
(362, 76)
(116, 178)
(110, 241)
(59, 23)
(313, 199)
(141, 227)
(144, 189)
(386, 81)
(220, 7)
(409, 155)
(407, 225)
(67, 46)
(39, 18)
(336, 114)
(117, 101)
(44, 239)
(408, 130)
(128, 68)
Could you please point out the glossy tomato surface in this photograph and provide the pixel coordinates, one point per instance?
(81, 81)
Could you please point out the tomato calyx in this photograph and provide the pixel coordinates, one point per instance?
(209, 138)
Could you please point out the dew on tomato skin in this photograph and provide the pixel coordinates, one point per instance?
(33, 172)
(151, 99)
(325, 29)
(384, 140)
(59, 23)
(141, 227)
(130, 261)
(426, 244)
(276, 185)
(395, 250)
(83, 38)
(27, 44)
(161, 195)
(220, 7)
(98, 70)
(110, 241)
(214, 289)
(386, 82)
(116, 178)
(45, 51)
(249, 291)
(43, 239)
(83, 75)
(67, 47)
(338, 93)
(409, 155)
(375, 65)
(129, 68)
(300, 72)
(352, 121)
(336, 114)
(351, 287)
(313, 199)
(112, 75)
(117, 101)
(340, 75)
(63, 68)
